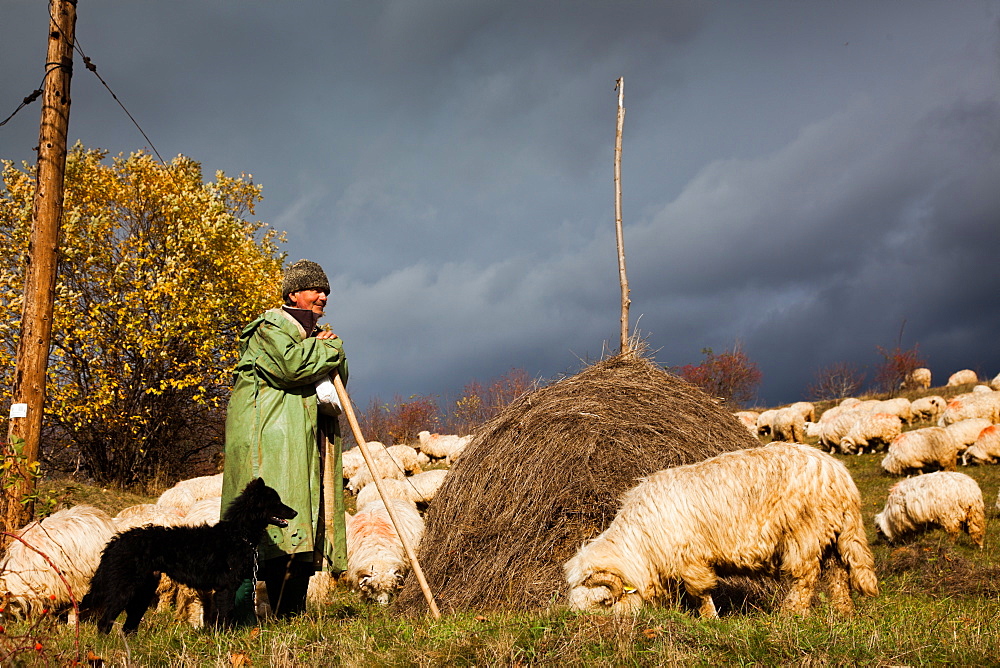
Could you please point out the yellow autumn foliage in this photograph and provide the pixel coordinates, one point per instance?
(159, 270)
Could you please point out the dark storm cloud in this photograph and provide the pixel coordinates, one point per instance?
(802, 177)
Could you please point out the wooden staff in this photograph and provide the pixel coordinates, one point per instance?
(345, 404)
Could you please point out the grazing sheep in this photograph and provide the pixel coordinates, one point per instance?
(986, 449)
(806, 409)
(947, 499)
(351, 461)
(448, 447)
(394, 489)
(922, 448)
(847, 402)
(788, 425)
(979, 389)
(971, 405)
(927, 409)
(833, 431)
(963, 377)
(144, 514)
(185, 493)
(385, 467)
(779, 508)
(995, 383)
(765, 421)
(918, 379)
(406, 456)
(426, 484)
(872, 432)
(748, 419)
(900, 407)
(965, 432)
(73, 539)
(376, 560)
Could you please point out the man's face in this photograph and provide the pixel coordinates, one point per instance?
(313, 300)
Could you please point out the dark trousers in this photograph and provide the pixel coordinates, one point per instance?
(287, 581)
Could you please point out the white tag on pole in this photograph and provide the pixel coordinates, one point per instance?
(18, 410)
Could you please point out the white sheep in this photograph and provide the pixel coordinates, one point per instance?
(963, 377)
(995, 383)
(145, 514)
(806, 409)
(833, 431)
(73, 539)
(901, 407)
(186, 492)
(407, 457)
(927, 409)
(788, 425)
(765, 421)
(872, 432)
(922, 448)
(918, 379)
(965, 432)
(778, 508)
(385, 467)
(986, 449)
(393, 489)
(417, 489)
(971, 405)
(947, 499)
(979, 389)
(351, 461)
(376, 560)
(448, 447)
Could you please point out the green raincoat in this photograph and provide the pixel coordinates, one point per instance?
(271, 432)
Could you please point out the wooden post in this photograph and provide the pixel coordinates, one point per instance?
(345, 404)
(622, 278)
(25, 423)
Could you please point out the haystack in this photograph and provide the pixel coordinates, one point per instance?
(547, 473)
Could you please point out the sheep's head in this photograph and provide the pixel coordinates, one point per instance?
(379, 585)
(599, 590)
(881, 527)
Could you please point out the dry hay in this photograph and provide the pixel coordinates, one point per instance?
(547, 473)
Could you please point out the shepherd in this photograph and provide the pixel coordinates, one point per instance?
(275, 430)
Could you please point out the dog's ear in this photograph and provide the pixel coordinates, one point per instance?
(256, 483)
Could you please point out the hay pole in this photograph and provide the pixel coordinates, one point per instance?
(345, 403)
(622, 278)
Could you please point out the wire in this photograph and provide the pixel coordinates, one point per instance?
(51, 67)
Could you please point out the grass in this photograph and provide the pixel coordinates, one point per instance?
(939, 604)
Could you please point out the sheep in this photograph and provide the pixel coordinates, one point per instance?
(918, 379)
(813, 429)
(406, 456)
(995, 383)
(185, 493)
(921, 448)
(376, 560)
(874, 432)
(832, 431)
(963, 377)
(971, 405)
(443, 446)
(927, 409)
(947, 499)
(847, 402)
(748, 419)
(986, 449)
(144, 514)
(765, 421)
(418, 489)
(806, 409)
(788, 425)
(351, 461)
(73, 539)
(780, 507)
(979, 389)
(393, 488)
(385, 467)
(965, 432)
(899, 406)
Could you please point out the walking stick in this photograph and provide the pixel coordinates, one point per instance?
(345, 404)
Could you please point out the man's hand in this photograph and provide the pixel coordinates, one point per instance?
(326, 335)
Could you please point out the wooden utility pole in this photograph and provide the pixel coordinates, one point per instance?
(25, 423)
(622, 278)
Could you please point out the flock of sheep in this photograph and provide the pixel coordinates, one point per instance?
(786, 506)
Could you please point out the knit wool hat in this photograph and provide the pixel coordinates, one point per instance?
(304, 275)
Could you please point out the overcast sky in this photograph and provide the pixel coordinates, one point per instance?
(803, 177)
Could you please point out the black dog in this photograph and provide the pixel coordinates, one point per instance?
(217, 557)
